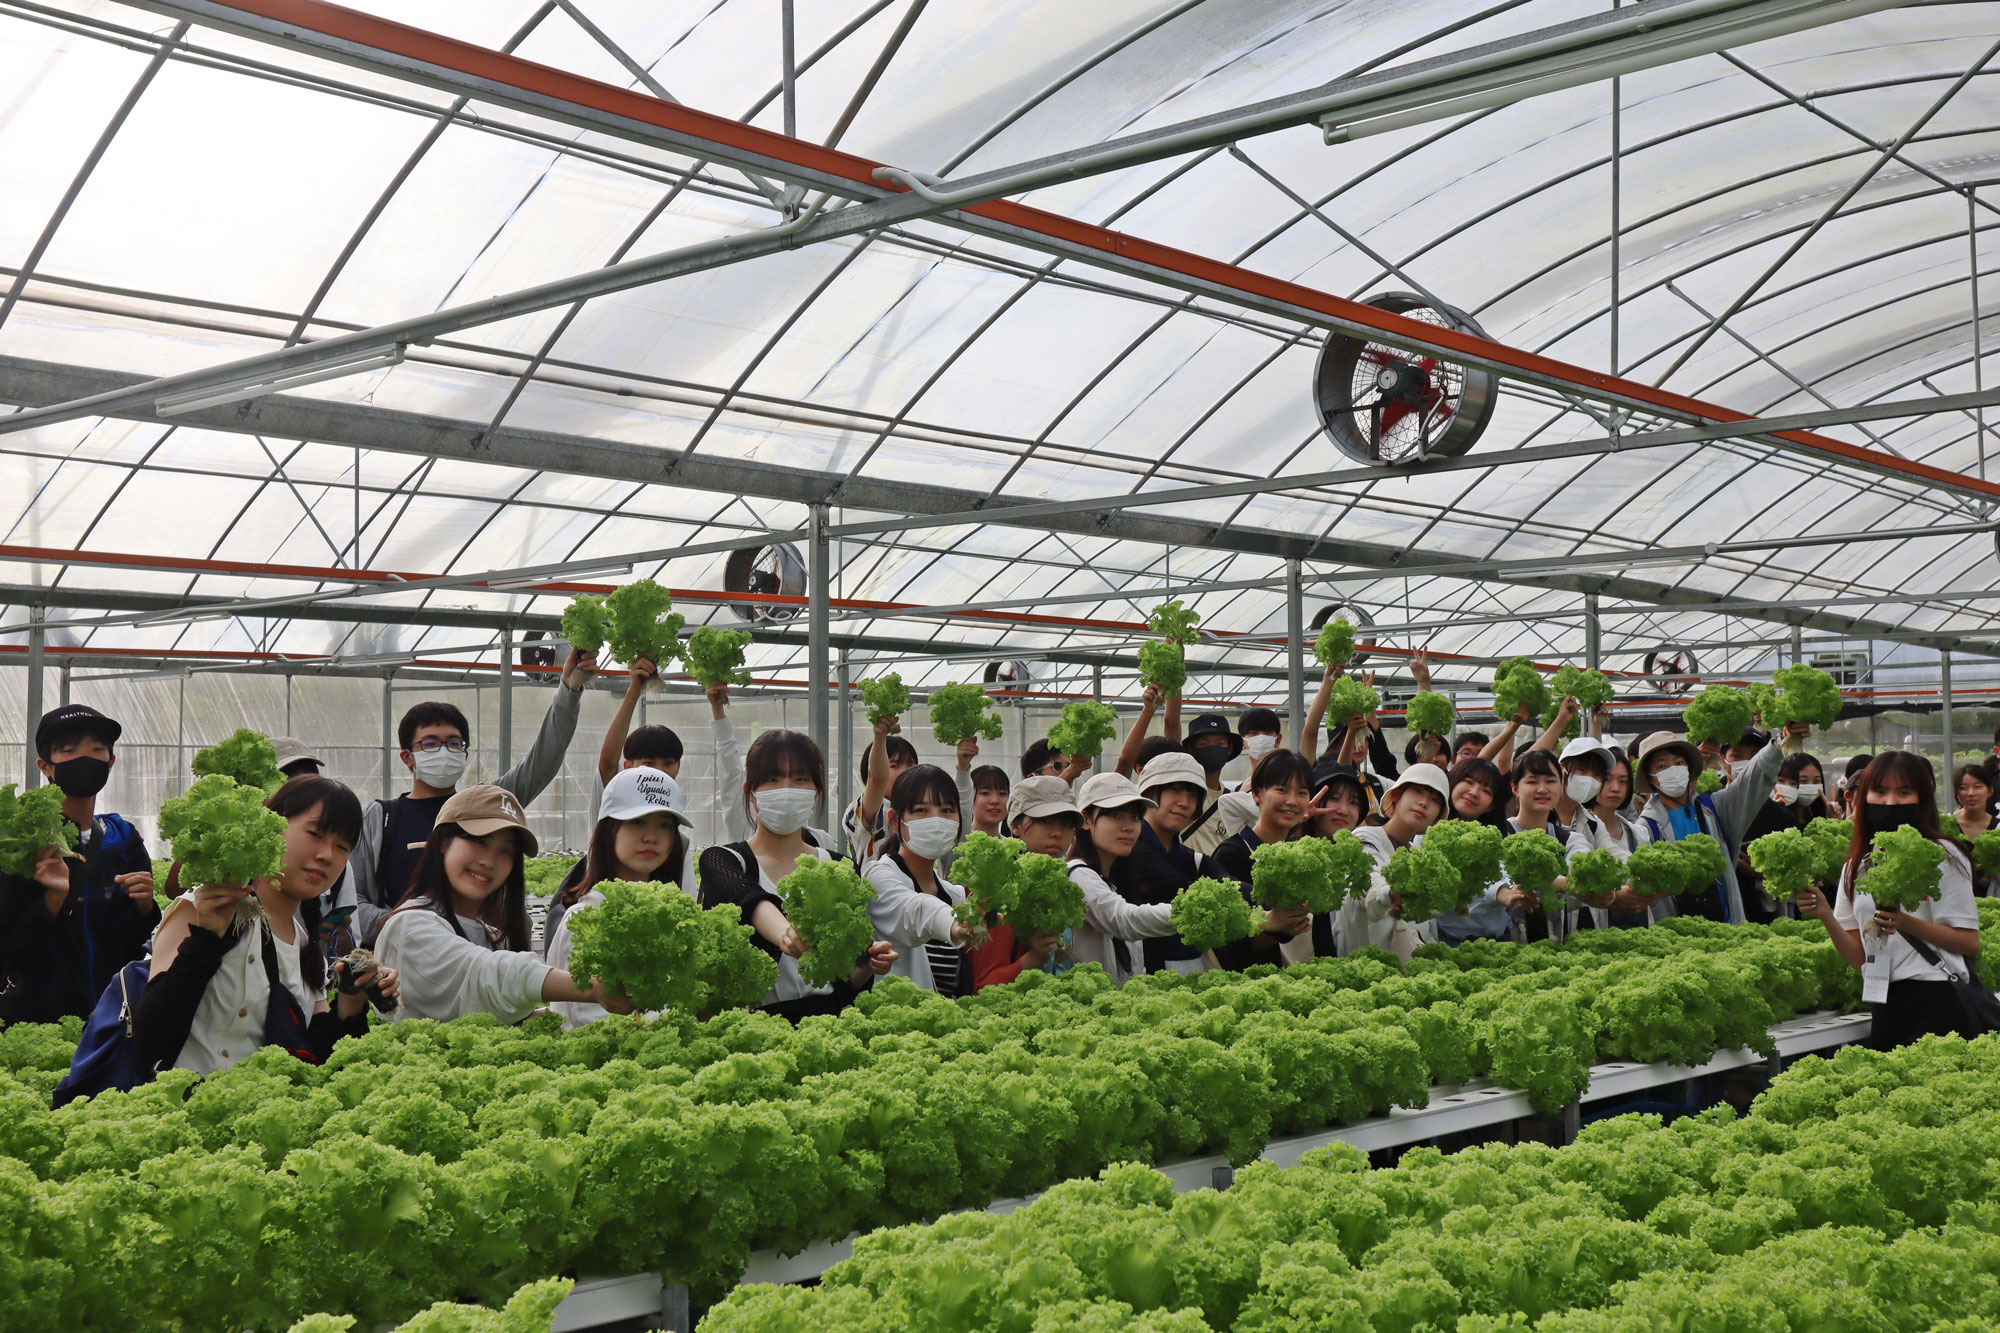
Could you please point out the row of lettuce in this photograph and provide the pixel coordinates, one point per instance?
(1861, 1192)
(436, 1161)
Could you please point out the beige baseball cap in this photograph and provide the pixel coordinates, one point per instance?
(488, 809)
(292, 750)
(1039, 798)
(1111, 791)
(1173, 767)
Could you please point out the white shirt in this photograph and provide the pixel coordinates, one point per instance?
(910, 919)
(575, 1013)
(1891, 958)
(229, 1022)
(447, 973)
(1109, 915)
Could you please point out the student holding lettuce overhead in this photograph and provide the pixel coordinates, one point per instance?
(1664, 773)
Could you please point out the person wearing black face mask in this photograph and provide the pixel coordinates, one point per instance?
(69, 928)
(1908, 960)
(1213, 744)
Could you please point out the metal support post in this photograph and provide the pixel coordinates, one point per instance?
(1978, 351)
(845, 785)
(389, 736)
(789, 35)
(819, 578)
(1798, 646)
(1295, 652)
(37, 647)
(506, 701)
(62, 694)
(288, 703)
(181, 730)
(1947, 789)
(1097, 696)
(1593, 634)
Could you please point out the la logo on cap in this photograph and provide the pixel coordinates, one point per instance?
(508, 808)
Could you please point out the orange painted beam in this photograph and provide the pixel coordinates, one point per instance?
(448, 53)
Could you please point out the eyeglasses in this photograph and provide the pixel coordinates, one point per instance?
(431, 745)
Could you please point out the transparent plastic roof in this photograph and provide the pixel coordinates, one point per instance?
(168, 213)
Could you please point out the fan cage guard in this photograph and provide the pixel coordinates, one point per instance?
(1380, 404)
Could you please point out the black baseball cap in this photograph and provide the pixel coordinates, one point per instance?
(1212, 724)
(1326, 773)
(73, 719)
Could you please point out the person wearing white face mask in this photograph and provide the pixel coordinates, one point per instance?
(437, 749)
(1664, 773)
(913, 902)
(784, 782)
(1585, 764)
(1796, 800)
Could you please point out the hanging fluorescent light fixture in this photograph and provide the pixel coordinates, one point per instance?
(217, 395)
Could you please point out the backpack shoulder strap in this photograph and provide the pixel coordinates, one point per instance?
(1207, 814)
(391, 808)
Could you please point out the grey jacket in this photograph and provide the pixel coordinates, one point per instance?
(1735, 806)
(540, 766)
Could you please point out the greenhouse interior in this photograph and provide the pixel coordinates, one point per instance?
(1417, 580)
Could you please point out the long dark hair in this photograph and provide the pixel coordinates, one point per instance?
(1914, 771)
(430, 889)
(601, 862)
(339, 815)
(1083, 847)
(926, 784)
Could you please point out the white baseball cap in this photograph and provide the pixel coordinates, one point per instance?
(1175, 767)
(1582, 745)
(637, 791)
(1428, 776)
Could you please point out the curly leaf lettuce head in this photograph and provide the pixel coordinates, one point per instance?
(653, 944)
(30, 823)
(1335, 645)
(1657, 870)
(1831, 840)
(1084, 728)
(1349, 866)
(1430, 714)
(1708, 783)
(1210, 913)
(1046, 900)
(639, 624)
(959, 711)
(584, 622)
(247, 757)
(222, 834)
(715, 656)
(1517, 685)
(1426, 881)
(1293, 874)
(1161, 664)
(1349, 699)
(827, 904)
(1985, 852)
(1531, 860)
(886, 696)
(1805, 694)
(1588, 688)
(1904, 868)
(1595, 875)
(1719, 715)
(1703, 860)
(1787, 860)
(986, 868)
(1473, 848)
(1175, 623)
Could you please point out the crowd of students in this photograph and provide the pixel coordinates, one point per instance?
(433, 881)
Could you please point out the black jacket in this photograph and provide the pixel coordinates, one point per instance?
(58, 965)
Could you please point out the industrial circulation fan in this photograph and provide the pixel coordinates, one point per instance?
(1384, 405)
(777, 570)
